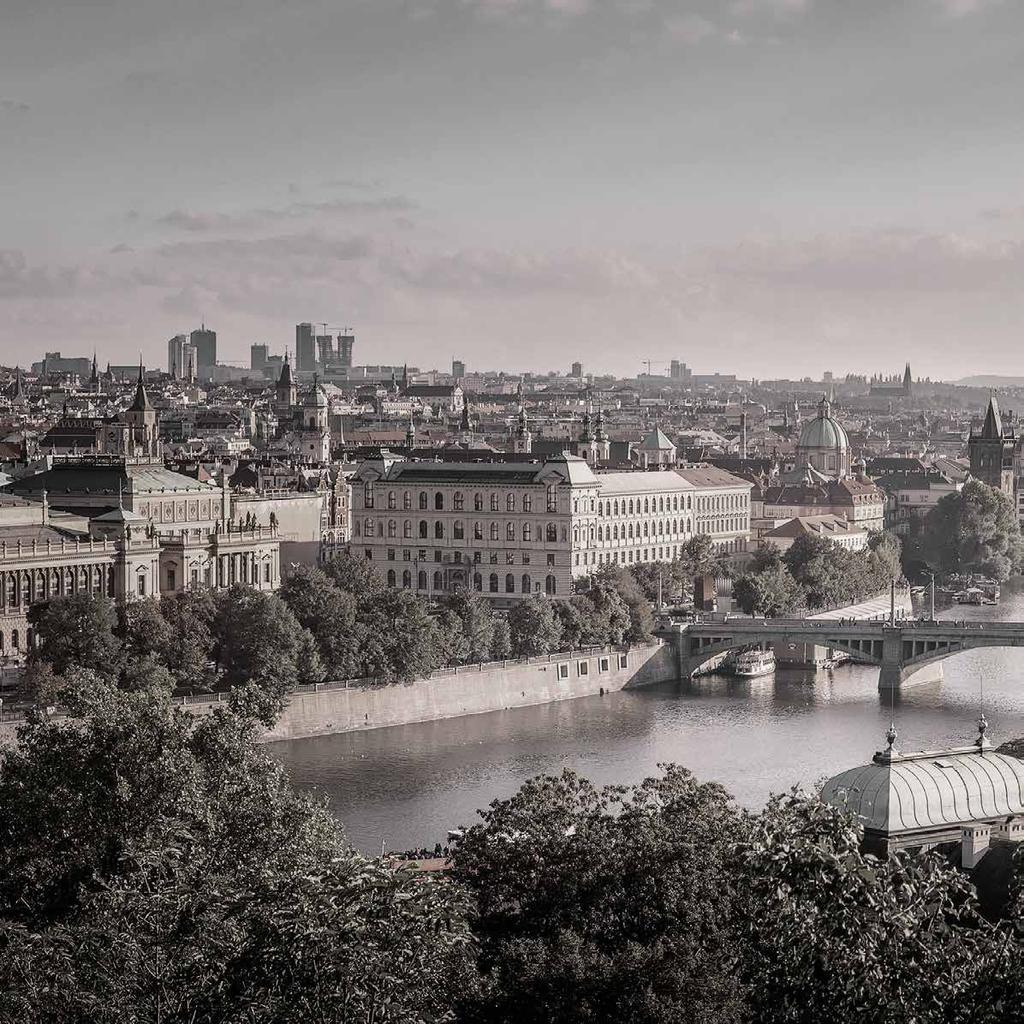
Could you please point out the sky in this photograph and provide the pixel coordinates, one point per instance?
(761, 187)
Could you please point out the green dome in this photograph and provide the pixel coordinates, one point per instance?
(824, 431)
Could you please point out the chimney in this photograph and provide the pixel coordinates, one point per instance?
(974, 844)
(743, 435)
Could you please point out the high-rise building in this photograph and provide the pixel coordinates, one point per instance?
(177, 356)
(345, 343)
(680, 371)
(205, 342)
(257, 357)
(577, 370)
(458, 368)
(305, 347)
(325, 346)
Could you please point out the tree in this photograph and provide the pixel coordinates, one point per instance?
(477, 620)
(885, 557)
(771, 592)
(641, 618)
(700, 557)
(188, 649)
(605, 905)
(75, 631)
(355, 575)
(257, 640)
(450, 637)
(401, 639)
(835, 935)
(143, 630)
(501, 641)
(533, 628)
(330, 614)
(974, 530)
(157, 866)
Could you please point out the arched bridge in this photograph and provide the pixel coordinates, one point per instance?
(900, 648)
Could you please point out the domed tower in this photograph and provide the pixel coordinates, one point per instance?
(824, 444)
(315, 435)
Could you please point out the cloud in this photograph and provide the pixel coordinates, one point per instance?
(690, 28)
(14, 107)
(198, 221)
(964, 8)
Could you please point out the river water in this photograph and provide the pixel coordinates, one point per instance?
(408, 785)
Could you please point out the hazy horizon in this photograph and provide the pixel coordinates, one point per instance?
(760, 187)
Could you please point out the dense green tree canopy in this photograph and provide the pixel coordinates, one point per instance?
(974, 530)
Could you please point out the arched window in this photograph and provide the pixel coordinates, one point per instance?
(630, 506)
(391, 577)
(478, 531)
(552, 532)
(438, 530)
(438, 580)
(406, 500)
(527, 532)
(494, 501)
(438, 501)
(392, 500)
(423, 499)
(407, 579)
(494, 531)
(600, 533)
(407, 529)
(423, 529)
(457, 530)
(647, 507)
(550, 586)
(458, 501)
(510, 584)
(492, 583)
(368, 495)
(552, 493)
(368, 527)
(615, 532)
(478, 502)
(15, 642)
(478, 581)
(421, 580)
(510, 502)
(510, 531)
(616, 506)
(575, 535)
(526, 585)
(527, 502)
(631, 530)
(392, 528)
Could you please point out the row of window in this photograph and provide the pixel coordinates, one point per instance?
(654, 554)
(423, 501)
(474, 557)
(371, 527)
(525, 583)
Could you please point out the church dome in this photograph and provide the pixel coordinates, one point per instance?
(824, 431)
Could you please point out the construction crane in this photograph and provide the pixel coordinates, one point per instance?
(652, 362)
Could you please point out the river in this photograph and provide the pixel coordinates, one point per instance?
(408, 785)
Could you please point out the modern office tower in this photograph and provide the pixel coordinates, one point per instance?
(577, 370)
(257, 357)
(177, 356)
(206, 347)
(325, 346)
(345, 343)
(305, 347)
(458, 368)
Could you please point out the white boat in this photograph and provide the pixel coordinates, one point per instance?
(754, 663)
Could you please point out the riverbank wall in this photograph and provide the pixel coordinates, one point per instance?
(356, 705)
(472, 690)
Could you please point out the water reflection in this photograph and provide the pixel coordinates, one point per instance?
(409, 784)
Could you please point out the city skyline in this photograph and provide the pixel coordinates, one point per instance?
(768, 187)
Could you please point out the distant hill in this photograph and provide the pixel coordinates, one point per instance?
(990, 380)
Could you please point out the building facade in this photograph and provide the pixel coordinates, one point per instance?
(511, 529)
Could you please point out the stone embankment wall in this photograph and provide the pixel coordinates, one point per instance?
(472, 690)
(330, 708)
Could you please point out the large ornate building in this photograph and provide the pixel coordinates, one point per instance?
(992, 449)
(513, 528)
(121, 523)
